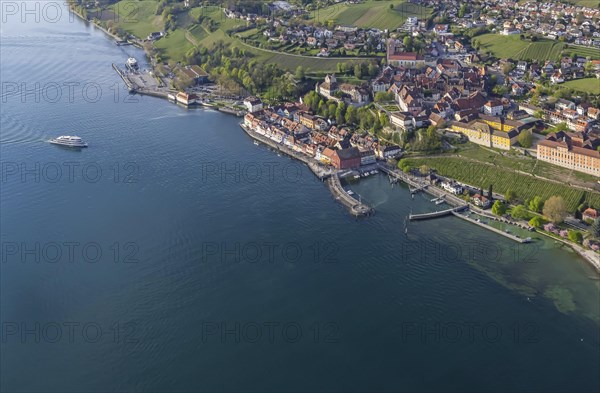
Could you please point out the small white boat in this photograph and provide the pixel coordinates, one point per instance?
(69, 141)
(356, 177)
(350, 192)
(439, 202)
(256, 143)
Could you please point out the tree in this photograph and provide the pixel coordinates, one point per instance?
(383, 96)
(536, 222)
(507, 68)
(462, 11)
(358, 71)
(520, 213)
(511, 196)
(536, 204)
(300, 73)
(595, 230)
(555, 209)
(499, 208)
(575, 236)
(351, 115)
(372, 69)
(340, 113)
(525, 139)
(408, 43)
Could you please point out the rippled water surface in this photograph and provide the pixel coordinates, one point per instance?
(204, 262)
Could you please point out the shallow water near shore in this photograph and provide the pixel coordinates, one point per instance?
(208, 244)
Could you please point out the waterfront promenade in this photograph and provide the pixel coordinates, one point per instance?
(323, 173)
(491, 228)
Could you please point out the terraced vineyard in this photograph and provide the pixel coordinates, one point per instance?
(512, 47)
(526, 187)
(371, 13)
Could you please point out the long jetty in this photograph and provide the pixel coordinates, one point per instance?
(491, 228)
(451, 199)
(440, 213)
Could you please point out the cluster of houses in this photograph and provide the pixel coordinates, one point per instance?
(342, 38)
(294, 126)
(447, 93)
(521, 78)
(350, 94)
(550, 19)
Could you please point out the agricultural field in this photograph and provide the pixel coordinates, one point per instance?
(372, 13)
(174, 45)
(526, 187)
(526, 164)
(592, 53)
(587, 3)
(137, 17)
(512, 47)
(587, 85)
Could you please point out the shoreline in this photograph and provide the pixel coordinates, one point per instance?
(586, 255)
(355, 207)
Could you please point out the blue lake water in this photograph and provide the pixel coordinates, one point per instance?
(175, 255)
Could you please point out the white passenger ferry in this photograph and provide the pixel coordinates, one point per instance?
(69, 141)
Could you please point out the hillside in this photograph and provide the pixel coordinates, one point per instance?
(139, 18)
(372, 13)
(513, 47)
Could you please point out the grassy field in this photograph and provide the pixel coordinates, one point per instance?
(174, 45)
(372, 13)
(138, 18)
(588, 85)
(593, 53)
(587, 3)
(513, 47)
(526, 187)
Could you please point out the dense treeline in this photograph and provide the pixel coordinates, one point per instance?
(237, 70)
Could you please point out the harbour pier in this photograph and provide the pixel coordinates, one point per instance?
(357, 208)
(491, 228)
(440, 213)
(459, 204)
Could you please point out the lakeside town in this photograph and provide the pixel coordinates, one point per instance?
(429, 100)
